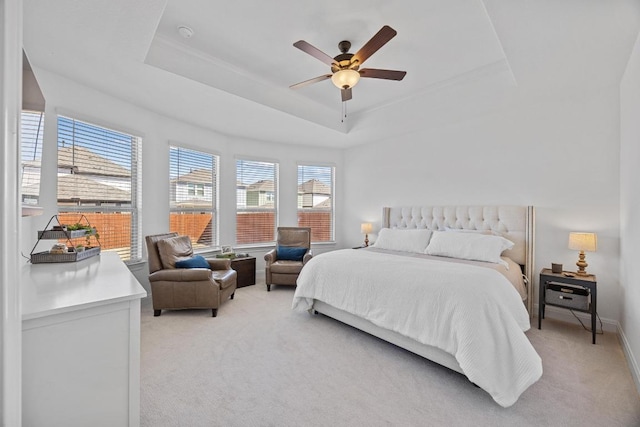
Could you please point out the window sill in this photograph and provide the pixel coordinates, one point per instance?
(257, 247)
(30, 210)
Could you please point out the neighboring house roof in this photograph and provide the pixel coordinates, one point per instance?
(262, 185)
(86, 162)
(73, 187)
(198, 176)
(314, 186)
(324, 204)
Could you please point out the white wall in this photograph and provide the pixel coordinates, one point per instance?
(66, 97)
(630, 211)
(559, 155)
(10, 318)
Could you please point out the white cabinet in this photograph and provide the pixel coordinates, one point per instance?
(81, 344)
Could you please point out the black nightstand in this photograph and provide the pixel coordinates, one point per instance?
(578, 293)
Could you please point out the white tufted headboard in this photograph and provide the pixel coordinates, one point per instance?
(515, 223)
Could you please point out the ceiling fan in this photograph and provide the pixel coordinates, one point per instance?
(345, 68)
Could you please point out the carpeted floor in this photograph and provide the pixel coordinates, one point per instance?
(261, 364)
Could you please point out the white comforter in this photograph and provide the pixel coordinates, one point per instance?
(471, 312)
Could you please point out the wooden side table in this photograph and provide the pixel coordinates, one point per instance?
(246, 269)
(588, 282)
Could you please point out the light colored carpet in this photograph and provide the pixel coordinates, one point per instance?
(261, 364)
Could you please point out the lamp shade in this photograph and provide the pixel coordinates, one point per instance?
(345, 79)
(583, 241)
(366, 227)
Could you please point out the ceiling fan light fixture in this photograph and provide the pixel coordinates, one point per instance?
(345, 79)
(345, 68)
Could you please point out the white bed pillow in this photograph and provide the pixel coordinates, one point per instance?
(464, 230)
(471, 246)
(395, 239)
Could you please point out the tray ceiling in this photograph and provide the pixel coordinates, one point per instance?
(462, 58)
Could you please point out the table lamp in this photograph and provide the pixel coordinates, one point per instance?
(582, 242)
(365, 228)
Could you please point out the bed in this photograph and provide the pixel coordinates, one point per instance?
(465, 314)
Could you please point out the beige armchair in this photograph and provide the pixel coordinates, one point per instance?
(284, 262)
(180, 288)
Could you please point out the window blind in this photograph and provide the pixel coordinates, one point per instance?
(31, 132)
(99, 176)
(315, 201)
(256, 201)
(193, 184)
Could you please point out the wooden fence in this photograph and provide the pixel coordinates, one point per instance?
(114, 229)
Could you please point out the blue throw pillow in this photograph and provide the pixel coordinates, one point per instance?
(289, 253)
(197, 261)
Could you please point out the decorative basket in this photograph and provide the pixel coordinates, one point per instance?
(61, 234)
(48, 257)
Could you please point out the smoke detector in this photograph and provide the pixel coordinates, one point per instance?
(185, 31)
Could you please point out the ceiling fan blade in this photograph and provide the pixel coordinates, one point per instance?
(376, 73)
(315, 52)
(380, 39)
(310, 81)
(346, 94)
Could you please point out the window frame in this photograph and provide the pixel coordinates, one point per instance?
(134, 209)
(215, 189)
(303, 164)
(35, 147)
(275, 196)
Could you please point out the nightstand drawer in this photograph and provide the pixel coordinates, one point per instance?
(567, 296)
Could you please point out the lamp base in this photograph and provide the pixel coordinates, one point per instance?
(366, 240)
(582, 265)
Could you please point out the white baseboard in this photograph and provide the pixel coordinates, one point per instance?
(563, 314)
(631, 359)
